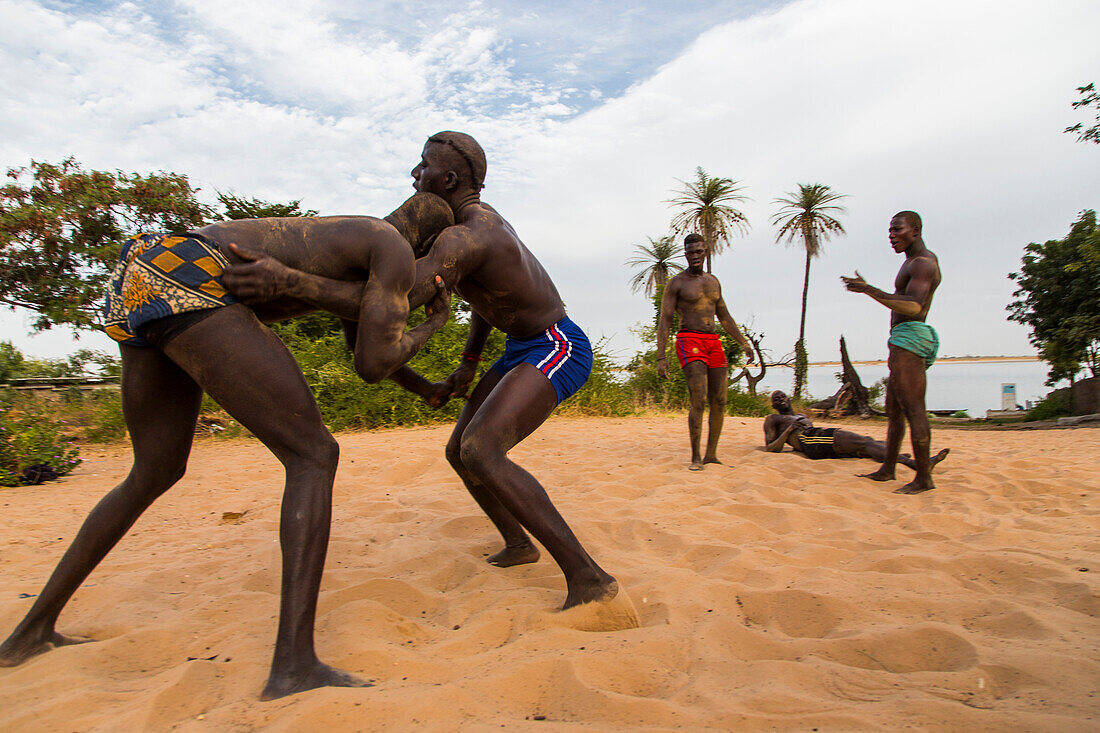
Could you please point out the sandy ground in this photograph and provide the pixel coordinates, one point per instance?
(775, 593)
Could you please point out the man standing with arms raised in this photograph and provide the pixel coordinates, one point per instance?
(913, 346)
(697, 297)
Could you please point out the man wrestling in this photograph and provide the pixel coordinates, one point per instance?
(697, 297)
(547, 358)
(788, 428)
(181, 332)
(913, 345)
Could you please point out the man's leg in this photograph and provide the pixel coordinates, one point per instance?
(717, 392)
(695, 372)
(518, 547)
(160, 403)
(895, 428)
(520, 402)
(250, 373)
(848, 443)
(911, 382)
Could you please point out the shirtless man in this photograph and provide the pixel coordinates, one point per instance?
(547, 359)
(181, 333)
(789, 428)
(913, 345)
(697, 297)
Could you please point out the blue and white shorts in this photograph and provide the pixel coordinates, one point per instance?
(561, 352)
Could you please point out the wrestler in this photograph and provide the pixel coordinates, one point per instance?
(912, 348)
(789, 428)
(697, 297)
(181, 333)
(547, 358)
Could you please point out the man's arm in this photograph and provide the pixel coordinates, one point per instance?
(382, 343)
(260, 279)
(454, 255)
(730, 325)
(664, 323)
(774, 439)
(913, 302)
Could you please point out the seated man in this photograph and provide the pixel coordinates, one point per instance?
(796, 430)
(181, 333)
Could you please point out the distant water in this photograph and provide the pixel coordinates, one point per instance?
(971, 386)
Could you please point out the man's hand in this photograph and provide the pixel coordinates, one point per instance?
(438, 394)
(856, 284)
(662, 367)
(257, 279)
(461, 378)
(440, 304)
(750, 357)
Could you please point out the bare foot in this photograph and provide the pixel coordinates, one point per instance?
(712, 459)
(613, 611)
(321, 675)
(879, 475)
(940, 456)
(696, 466)
(915, 487)
(517, 555)
(14, 652)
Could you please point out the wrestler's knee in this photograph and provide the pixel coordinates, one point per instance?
(478, 454)
(453, 451)
(319, 452)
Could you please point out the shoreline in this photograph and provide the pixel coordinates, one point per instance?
(953, 359)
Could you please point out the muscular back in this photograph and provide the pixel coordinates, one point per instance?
(337, 247)
(483, 260)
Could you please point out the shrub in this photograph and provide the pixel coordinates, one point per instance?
(1055, 405)
(34, 447)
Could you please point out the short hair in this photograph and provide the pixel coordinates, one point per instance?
(468, 149)
(420, 219)
(912, 218)
(693, 237)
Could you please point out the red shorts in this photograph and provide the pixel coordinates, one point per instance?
(704, 347)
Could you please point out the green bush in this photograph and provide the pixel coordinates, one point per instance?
(1055, 405)
(34, 446)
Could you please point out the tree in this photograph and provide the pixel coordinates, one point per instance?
(61, 228)
(237, 207)
(1059, 299)
(807, 214)
(1089, 97)
(705, 209)
(656, 263)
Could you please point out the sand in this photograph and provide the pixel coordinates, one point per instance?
(775, 593)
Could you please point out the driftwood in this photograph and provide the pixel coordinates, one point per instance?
(852, 398)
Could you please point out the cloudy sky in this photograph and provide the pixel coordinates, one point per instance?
(590, 113)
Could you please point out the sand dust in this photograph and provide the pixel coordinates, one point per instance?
(773, 593)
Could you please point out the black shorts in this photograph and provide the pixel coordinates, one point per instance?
(818, 442)
(162, 330)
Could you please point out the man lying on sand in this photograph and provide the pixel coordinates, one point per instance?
(547, 359)
(181, 333)
(788, 428)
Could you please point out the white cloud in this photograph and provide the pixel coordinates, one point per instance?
(952, 109)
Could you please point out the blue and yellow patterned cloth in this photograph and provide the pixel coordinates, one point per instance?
(160, 275)
(918, 337)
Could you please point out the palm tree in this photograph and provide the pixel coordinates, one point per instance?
(656, 263)
(705, 209)
(808, 214)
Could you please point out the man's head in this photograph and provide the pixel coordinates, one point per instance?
(451, 162)
(905, 229)
(695, 252)
(420, 219)
(781, 403)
